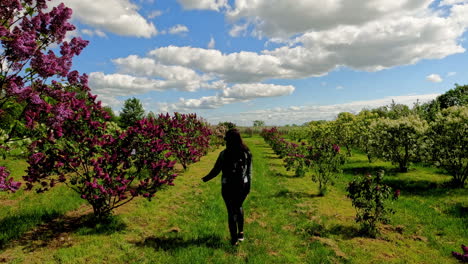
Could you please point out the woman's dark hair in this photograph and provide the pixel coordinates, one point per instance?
(235, 147)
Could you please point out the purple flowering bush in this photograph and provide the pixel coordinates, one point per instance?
(108, 169)
(188, 136)
(30, 36)
(71, 141)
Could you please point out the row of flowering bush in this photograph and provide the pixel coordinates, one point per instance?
(321, 157)
(369, 195)
(71, 139)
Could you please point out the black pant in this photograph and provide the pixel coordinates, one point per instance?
(234, 198)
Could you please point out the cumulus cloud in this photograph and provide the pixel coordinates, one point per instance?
(178, 29)
(316, 38)
(268, 16)
(117, 16)
(229, 95)
(204, 4)
(451, 74)
(434, 78)
(239, 67)
(302, 114)
(256, 90)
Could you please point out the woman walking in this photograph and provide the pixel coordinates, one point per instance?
(235, 162)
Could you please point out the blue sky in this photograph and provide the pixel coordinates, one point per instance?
(280, 61)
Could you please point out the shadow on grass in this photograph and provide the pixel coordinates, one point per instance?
(295, 195)
(459, 211)
(342, 231)
(12, 227)
(406, 186)
(174, 243)
(35, 231)
(370, 170)
(419, 188)
(282, 175)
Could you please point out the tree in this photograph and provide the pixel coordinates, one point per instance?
(326, 161)
(258, 123)
(457, 96)
(343, 131)
(228, 125)
(131, 112)
(398, 141)
(396, 111)
(447, 143)
(363, 133)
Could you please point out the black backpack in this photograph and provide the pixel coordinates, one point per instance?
(236, 169)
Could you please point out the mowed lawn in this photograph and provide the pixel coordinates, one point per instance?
(286, 222)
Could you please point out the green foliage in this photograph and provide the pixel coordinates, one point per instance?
(362, 132)
(326, 161)
(398, 141)
(320, 130)
(454, 97)
(457, 96)
(131, 112)
(343, 130)
(298, 133)
(447, 143)
(395, 111)
(258, 123)
(228, 125)
(369, 196)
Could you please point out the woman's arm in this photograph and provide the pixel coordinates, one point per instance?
(249, 166)
(216, 169)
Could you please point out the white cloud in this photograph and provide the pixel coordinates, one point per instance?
(339, 87)
(229, 95)
(178, 29)
(256, 90)
(451, 74)
(452, 2)
(434, 78)
(302, 114)
(121, 84)
(237, 30)
(268, 16)
(154, 13)
(212, 43)
(204, 4)
(241, 67)
(96, 32)
(207, 102)
(372, 46)
(117, 16)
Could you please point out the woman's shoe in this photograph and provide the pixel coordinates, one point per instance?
(240, 236)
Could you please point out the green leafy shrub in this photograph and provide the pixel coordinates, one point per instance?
(369, 196)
